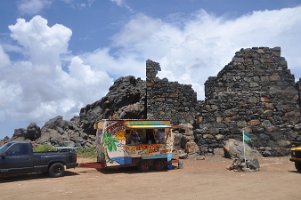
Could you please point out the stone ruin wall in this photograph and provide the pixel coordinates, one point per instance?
(168, 100)
(175, 102)
(255, 92)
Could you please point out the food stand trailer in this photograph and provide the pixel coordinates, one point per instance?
(146, 144)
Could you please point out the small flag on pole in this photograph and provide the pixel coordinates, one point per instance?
(246, 137)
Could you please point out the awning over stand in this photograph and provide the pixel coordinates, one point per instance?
(147, 124)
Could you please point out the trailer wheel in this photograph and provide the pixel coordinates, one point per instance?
(56, 170)
(160, 165)
(144, 166)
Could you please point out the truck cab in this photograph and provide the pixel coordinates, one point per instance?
(296, 157)
(11, 156)
(18, 158)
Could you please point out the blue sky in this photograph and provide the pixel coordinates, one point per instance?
(58, 55)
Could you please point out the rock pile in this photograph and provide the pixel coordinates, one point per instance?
(125, 99)
(60, 132)
(244, 157)
(184, 141)
(255, 92)
(239, 165)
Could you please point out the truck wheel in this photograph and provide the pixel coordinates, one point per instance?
(159, 165)
(144, 166)
(298, 166)
(56, 170)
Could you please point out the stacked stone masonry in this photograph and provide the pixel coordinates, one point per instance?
(173, 101)
(255, 92)
(168, 100)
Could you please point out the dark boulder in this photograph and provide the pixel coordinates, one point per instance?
(19, 132)
(125, 100)
(32, 132)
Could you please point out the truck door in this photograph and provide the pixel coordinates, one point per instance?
(18, 158)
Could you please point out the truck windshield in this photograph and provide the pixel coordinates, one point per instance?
(5, 147)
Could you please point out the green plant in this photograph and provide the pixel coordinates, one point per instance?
(109, 141)
(44, 148)
(89, 152)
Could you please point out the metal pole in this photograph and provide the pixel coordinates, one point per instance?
(243, 142)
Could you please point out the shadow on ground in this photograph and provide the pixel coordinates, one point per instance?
(17, 178)
(294, 172)
(129, 170)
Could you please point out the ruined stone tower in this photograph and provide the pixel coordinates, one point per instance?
(255, 92)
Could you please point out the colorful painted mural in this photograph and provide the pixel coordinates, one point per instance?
(119, 141)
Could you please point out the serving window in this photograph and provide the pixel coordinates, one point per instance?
(145, 136)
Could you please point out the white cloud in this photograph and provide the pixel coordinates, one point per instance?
(37, 88)
(190, 52)
(84, 83)
(118, 2)
(121, 65)
(33, 7)
(8, 92)
(79, 4)
(42, 43)
(122, 3)
(84, 4)
(90, 2)
(4, 59)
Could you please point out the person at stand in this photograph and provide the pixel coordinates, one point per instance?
(135, 138)
(159, 136)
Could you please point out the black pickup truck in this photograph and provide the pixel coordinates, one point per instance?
(19, 158)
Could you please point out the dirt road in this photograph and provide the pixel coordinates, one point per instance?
(200, 179)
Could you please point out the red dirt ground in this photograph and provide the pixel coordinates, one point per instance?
(200, 179)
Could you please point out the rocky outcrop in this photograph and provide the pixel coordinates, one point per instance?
(255, 92)
(125, 99)
(60, 132)
(32, 132)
